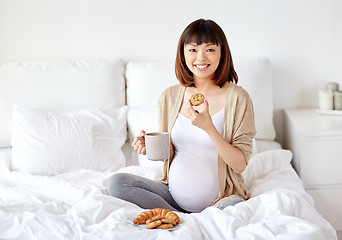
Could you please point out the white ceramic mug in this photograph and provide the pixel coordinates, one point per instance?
(157, 146)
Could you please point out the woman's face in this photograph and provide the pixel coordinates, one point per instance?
(202, 60)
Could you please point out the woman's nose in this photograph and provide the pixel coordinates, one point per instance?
(200, 55)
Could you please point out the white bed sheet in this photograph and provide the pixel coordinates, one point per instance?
(76, 206)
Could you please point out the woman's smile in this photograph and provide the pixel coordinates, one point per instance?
(202, 67)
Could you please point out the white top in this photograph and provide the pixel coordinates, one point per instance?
(193, 180)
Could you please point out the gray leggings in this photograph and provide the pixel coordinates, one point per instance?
(145, 193)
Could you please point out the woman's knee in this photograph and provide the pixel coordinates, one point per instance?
(117, 183)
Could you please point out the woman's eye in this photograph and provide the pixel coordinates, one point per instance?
(192, 50)
(211, 50)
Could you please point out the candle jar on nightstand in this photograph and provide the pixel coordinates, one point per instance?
(338, 100)
(326, 100)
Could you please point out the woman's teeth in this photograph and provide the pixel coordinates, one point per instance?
(202, 66)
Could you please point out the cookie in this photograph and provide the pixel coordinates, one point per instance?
(153, 224)
(155, 218)
(165, 226)
(169, 221)
(197, 99)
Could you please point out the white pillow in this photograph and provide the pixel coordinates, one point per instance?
(146, 81)
(48, 143)
(144, 118)
(255, 75)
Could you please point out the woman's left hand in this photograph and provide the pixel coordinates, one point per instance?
(201, 119)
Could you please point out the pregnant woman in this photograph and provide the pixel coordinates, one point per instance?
(210, 143)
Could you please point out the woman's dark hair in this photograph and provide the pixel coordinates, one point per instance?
(205, 31)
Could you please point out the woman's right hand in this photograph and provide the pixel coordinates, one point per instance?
(139, 143)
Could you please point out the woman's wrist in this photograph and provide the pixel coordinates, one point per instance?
(211, 131)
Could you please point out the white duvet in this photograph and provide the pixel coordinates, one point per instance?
(76, 206)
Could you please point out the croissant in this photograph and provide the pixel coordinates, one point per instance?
(164, 213)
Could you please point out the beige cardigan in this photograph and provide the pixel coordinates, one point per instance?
(239, 130)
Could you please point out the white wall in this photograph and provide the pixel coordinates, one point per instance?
(302, 38)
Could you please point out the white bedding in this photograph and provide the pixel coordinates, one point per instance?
(75, 205)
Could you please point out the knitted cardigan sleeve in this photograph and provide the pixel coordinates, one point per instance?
(169, 104)
(241, 125)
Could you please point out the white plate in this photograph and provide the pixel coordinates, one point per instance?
(143, 226)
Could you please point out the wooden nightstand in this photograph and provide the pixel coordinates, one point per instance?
(316, 143)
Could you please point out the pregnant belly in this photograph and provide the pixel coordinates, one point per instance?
(193, 181)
